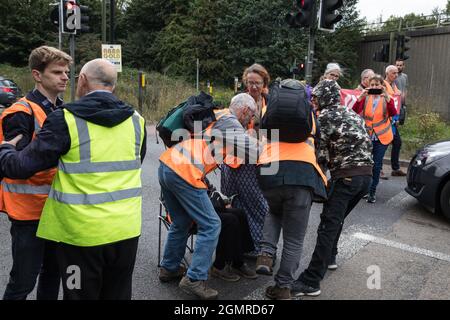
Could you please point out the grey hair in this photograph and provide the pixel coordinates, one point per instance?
(391, 67)
(100, 71)
(333, 66)
(242, 100)
(365, 72)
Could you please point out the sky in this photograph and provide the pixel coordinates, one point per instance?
(372, 9)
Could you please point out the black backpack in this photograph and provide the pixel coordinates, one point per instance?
(289, 111)
(195, 108)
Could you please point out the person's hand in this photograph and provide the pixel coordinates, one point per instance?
(14, 141)
(363, 94)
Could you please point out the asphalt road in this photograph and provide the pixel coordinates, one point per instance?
(407, 247)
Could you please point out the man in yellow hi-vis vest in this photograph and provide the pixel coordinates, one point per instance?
(93, 211)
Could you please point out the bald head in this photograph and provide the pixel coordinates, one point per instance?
(101, 72)
(97, 74)
(391, 73)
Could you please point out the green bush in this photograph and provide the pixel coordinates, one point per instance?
(421, 128)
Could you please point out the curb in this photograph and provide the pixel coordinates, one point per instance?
(403, 163)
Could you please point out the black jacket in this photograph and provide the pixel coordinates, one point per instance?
(23, 123)
(53, 141)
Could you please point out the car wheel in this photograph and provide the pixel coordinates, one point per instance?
(445, 200)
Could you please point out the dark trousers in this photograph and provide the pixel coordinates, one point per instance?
(395, 152)
(32, 257)
(344, 195)
(289, 210)
(378, 151)
(97, 273)
(234, 238)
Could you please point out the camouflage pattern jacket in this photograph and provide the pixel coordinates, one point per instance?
(345, 146)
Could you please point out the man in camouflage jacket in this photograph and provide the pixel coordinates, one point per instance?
(346, 150)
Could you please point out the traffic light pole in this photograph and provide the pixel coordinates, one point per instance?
(309, 64)
(112, 5)
(103, 21)
(312, 36)
(392, 48)
(59, 39)
(72, 69)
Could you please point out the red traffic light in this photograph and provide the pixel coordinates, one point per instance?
(70, 5)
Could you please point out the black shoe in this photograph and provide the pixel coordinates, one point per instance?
(332, 264)
(300, 289)
(371, 198)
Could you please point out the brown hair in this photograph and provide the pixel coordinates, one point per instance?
(258, 69)
(378, 78)
(41, 57)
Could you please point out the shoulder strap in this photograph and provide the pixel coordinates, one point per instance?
(28, 107)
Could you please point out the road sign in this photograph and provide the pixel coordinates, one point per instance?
(113, 53)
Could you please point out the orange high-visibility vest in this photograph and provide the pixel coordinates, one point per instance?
(193, 159)
(392, 90)
(24, 199)
(378, 120)
(285, 151)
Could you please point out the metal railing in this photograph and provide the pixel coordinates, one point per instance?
(401, 24)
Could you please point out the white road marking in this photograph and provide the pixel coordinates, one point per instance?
(402, 246)
(402, 199)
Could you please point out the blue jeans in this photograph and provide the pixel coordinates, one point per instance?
(32, 257)
(378, 151)
(186, 204)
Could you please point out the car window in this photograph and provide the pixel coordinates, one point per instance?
(9, 83)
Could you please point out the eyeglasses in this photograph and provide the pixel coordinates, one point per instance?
(255, 83)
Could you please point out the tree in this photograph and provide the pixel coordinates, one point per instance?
(25, 25)
(191, 34)
(342, 46)
(139, 27)
(255, 31)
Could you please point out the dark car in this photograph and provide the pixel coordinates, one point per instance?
(9, 92)
(429, 177)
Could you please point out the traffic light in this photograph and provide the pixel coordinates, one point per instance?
(299, 69)
(402, 47)
(73, 16)
(83, 19)
(304, 16)
(68, 16)
(383, 54)
(327, 16)
(54, 16)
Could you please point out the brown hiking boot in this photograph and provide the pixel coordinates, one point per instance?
(245, 271)
(166, 276)
(264, 264)
(198, 289)
(398, 173)
(225, 274)
(277, 293)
